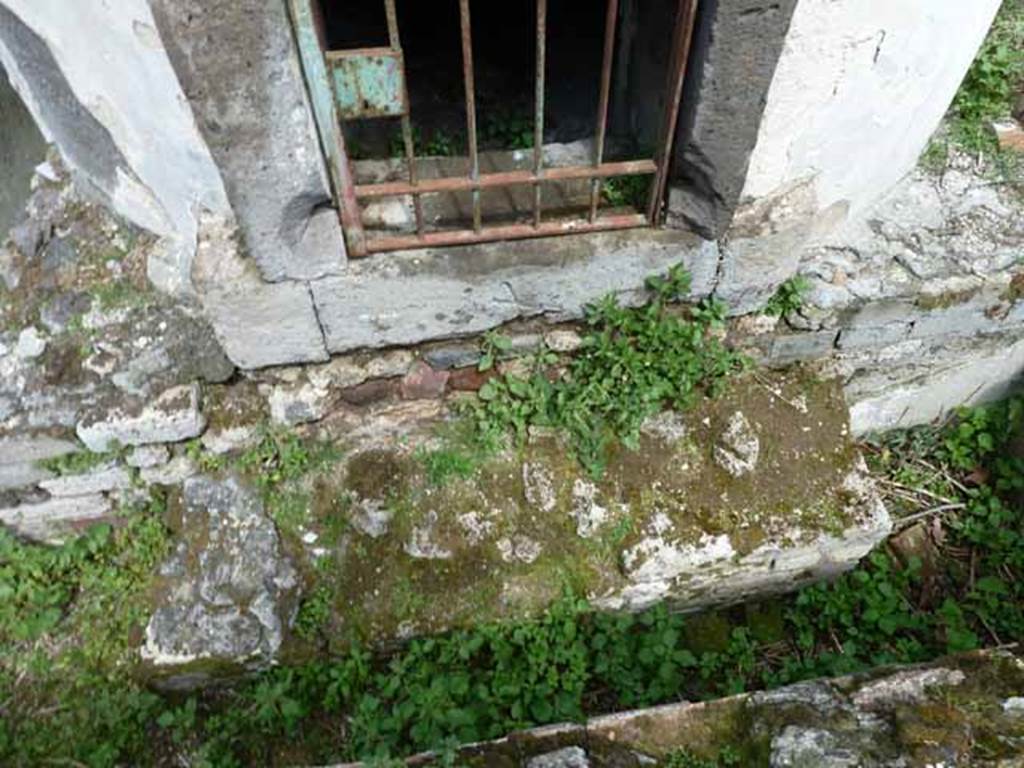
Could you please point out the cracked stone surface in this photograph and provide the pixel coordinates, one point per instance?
(226, 594)
(172, 417)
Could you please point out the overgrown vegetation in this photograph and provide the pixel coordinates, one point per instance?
(958, 588)
(622, 191)
(69, 617)
(634, 362)
(988, 92)
(788, 298)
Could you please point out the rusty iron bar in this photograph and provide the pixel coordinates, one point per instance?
(507, 232)
(610, 25)
(538, 118)
(467, 77)
(395, 39)
(507, 179)
(681, 39)
(309, 33)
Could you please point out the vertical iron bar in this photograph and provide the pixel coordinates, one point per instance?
(538, 117)
(467, 75)
(407, 137)
(681, 38)
(610, 24)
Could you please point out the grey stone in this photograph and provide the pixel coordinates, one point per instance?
(249, 98)
(172, 417)
(58, 254)
(54, 520)
(58, 312)
(738, 448)
(798, 747)
(423, 544)
(33, 448)
(84, 141)
(174, 472)
(802, 346)
(21, 475)
(371, 517)
(873, 336)
(518, 548)
(263, 325)
(906, 687)
(228, 590)
(148, 456)
(160, 347)
(562, 341)
(422, 295)
(738, 46)
(298, 404)
(586, 511)
(452, 356)
(31, 344)
(567, 757)
(105, 479)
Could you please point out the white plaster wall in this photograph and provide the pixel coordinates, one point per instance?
(113, 59)
(859, 89)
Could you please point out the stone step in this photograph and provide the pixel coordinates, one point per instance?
(756, 492)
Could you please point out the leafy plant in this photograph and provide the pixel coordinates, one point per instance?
(993, 81)
(633, 362)
(503, 128)
(623, 191)
(788, 298)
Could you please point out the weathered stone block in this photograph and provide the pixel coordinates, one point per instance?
(226, 594)
(266, 324)
(173, 417)
(56, 519)
(109, 478)
(664, 522)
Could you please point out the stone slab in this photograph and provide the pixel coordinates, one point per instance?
(110, 478)
(266, 324)
(54, 520)
(422, 295)
(172, 417)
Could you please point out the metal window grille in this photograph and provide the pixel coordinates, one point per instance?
(370, 83)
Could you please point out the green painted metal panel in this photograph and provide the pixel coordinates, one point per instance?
(368, 83)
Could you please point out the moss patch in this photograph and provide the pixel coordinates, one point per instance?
(505, 541)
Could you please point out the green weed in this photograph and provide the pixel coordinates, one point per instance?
(623, 191)
(634, 361)
(788, 298)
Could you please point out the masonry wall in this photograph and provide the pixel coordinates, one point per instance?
(194, 123)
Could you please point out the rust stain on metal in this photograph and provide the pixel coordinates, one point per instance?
(538, 117)
(368, 82)
(371, 83)
(610, 24)
(507, 232)
(682, 37)
(508, 179)
(466, 24)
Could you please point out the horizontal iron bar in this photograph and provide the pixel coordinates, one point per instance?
(508, 179)
(507, 232)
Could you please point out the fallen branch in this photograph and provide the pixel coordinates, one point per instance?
(903, 522)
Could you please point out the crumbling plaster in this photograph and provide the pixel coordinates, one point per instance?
(104, 63)
(857, 92)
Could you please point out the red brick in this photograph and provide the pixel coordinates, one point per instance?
(469, 379)
(423, 383)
